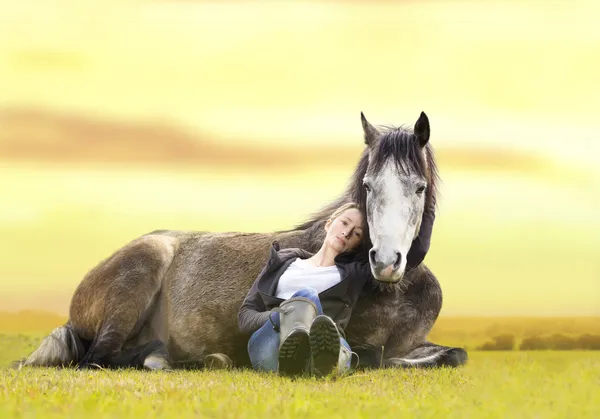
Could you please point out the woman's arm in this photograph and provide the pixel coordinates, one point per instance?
(252, 314)
(420, 246)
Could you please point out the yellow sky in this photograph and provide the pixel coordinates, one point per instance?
(521, 75)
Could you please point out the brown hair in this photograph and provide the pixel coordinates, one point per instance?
(340, 210)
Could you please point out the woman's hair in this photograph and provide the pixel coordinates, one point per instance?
(340, 210)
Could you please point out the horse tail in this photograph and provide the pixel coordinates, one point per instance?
(60, 349)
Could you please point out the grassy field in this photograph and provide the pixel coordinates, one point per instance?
(500, 384)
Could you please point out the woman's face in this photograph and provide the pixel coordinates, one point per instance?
(345, 232)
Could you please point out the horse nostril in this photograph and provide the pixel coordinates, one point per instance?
(398, 260)
(372, 253)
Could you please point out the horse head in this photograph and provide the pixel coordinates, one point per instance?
(398, 182)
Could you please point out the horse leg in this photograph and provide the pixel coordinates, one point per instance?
(152, 355)
(427, 355)
(117, 298)
(424, 355)
(406, 345)
(148, 348)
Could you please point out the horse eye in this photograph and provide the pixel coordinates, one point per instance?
(367, 187)
(420, 190)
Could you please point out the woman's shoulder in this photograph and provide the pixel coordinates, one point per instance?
(288, 252)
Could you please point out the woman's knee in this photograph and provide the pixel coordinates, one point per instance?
(307, 292)
(311, 294)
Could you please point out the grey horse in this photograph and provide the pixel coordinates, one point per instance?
(171, 298)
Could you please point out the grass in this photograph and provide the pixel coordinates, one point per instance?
(500, 384)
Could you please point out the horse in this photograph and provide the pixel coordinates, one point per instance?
(170, 299)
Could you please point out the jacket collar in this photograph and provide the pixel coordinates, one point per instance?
(278, 256)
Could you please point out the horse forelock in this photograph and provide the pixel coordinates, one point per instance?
(400, 145)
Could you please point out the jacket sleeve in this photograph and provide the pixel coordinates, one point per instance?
(420, 246)
(253, 314)
(369, 281)
(365, 278)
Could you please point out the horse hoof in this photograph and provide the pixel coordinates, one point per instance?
(455, 357)
(217, 361)
(157, 363)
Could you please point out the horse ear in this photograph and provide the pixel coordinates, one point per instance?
(370, 131)
(421, 129)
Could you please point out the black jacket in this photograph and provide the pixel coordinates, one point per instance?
(337, 301)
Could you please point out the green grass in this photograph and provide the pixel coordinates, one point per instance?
(500, 384)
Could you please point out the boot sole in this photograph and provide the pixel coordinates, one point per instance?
(294, 353)
(324, 346)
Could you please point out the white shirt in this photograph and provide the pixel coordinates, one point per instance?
(301, 274)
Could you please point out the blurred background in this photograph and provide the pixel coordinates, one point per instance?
(121, 117)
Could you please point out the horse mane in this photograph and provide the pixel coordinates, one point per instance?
(398, 143)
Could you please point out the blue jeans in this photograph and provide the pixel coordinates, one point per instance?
(263, 346)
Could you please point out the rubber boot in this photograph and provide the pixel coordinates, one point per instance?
(296, 316)
(327, 352)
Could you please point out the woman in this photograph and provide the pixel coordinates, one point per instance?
(318, 292)
(300, 303)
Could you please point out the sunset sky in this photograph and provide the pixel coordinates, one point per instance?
(511, 90)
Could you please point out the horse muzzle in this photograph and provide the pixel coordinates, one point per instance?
(387, 270)
(392, 278)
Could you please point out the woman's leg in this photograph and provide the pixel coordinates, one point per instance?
(297, 315)
(312, 294)
(325, 346)
(263, 346)
(345, 360)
